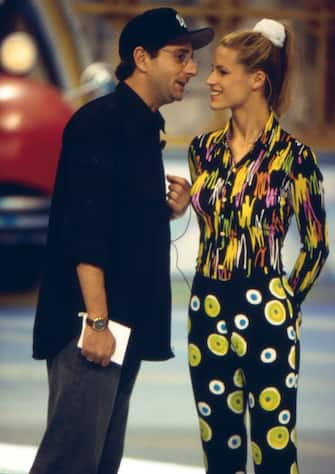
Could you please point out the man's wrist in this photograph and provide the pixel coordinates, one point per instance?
(97, 323)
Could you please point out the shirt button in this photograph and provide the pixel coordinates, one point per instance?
(222, 234)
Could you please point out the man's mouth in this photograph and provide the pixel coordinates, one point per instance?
(181, 83)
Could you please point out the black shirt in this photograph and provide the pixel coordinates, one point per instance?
(109, 209)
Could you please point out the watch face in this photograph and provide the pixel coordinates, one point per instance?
(100, 324)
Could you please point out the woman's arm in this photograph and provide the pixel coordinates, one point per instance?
(307, 198)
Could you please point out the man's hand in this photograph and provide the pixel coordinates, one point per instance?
(178, 195)
(98, 347)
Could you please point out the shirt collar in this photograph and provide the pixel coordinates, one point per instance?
(271, 133)
(137, 111)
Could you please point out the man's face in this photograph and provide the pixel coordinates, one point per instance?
(170, 71)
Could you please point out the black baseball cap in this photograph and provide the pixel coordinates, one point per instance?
(155, 28)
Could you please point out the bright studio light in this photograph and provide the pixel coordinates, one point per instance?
(96, 75)
(18, 53)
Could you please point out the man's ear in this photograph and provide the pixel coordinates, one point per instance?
(140, 56)
(259, 79)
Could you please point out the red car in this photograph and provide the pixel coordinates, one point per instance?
(32, 118)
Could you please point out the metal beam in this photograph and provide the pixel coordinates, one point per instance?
(94, 8)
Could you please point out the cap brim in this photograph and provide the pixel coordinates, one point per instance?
(201, 38)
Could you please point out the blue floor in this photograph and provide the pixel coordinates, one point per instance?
(162, 423)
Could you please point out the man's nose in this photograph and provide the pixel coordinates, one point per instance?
(191, 67)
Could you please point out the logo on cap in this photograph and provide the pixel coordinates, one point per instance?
(181, 21)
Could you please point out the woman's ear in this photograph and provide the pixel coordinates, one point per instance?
(140, 56)
(259, 79)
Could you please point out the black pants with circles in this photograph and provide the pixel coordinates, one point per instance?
(87, 415)
(244, 357)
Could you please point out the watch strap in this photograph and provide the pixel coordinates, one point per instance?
(98, 323)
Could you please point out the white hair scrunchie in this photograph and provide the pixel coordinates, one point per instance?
(272, 30)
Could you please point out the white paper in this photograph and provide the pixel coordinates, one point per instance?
(121, 334)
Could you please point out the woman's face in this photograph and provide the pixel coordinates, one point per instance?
(230, 85)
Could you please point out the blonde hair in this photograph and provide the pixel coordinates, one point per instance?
(256, 52)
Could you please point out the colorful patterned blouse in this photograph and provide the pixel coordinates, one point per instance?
(244, 210)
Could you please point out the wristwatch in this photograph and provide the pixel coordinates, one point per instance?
(98, 324)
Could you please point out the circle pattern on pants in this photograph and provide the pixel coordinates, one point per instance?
(276, 288)
(204, 409)
(195, 303)
(222, 327)
(234, 442)
(238, 344)
(254, 296)
(278, 437)
(268, 355)
(216, 387)
(294, 469)
(291, 357)
(275, 312)
(247, 360)
(284, 417)
(251, 400)
(235, 401)
(212, 306)
(241, 321)
(290, 380)
(256, 453)
(269, 399)
(294, 436)
(205, 430)
(189, 325)
(239, 378)
(194, 355)
(218, 344)
(291, 333)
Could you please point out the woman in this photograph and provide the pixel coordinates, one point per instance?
(248, 180)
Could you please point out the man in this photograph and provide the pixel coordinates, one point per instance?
(108, 248)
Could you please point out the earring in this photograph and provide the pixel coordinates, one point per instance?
(269, 95)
